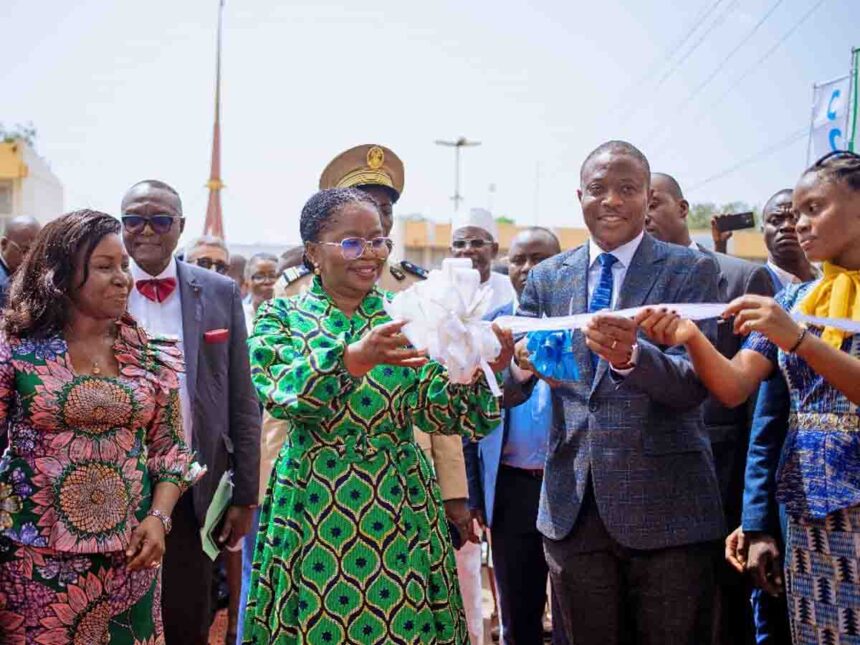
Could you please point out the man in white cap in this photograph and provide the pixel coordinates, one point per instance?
(475, 236)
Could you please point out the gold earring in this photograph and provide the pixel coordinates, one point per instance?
(316, 269)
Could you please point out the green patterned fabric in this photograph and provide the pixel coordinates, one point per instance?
(353, 545)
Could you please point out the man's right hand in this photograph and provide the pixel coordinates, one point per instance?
(721, 238)
(764, 563)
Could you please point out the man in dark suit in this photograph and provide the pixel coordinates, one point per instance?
(728, 427)
(221, 415)
(505, 470)
(18, 235)
(762, 530)
(630, 507)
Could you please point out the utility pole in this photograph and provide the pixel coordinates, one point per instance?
(462, 142)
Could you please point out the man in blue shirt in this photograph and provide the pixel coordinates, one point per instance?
(505, 472)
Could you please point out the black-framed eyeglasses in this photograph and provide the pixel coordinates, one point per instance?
(470, 242)
(212, 265)
(352, 248)
(836, 154)
(159, 224)
(260, 278)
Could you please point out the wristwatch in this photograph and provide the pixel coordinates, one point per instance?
(166, 522)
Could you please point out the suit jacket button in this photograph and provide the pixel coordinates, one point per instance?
(592, 406)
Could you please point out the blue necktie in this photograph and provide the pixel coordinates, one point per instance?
(601, 298)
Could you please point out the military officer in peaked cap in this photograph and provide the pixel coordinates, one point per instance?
(378, 171)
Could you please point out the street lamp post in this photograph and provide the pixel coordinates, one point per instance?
(462, 142)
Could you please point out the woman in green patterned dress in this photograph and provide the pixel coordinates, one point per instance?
(352, 545)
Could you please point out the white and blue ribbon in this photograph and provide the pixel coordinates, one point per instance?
(695, 311)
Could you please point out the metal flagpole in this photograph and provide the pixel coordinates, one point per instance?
(855, 90)
(815, 87)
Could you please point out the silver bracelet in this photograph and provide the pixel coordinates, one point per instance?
(165, 520)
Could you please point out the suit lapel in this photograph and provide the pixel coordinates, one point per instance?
(641, 275)
(190, 291)
(576, 268)
(722, 280)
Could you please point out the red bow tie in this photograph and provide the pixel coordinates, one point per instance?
(157, 289)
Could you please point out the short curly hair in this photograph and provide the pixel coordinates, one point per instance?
(320, 208)
(39, 300)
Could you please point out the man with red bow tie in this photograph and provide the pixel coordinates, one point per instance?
(221, 415)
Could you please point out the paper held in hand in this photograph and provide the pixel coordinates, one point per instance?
(445, 314)
(215, 513)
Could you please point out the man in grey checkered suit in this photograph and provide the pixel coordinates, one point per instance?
(630, 506)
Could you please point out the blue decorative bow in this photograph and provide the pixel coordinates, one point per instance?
(552, 354)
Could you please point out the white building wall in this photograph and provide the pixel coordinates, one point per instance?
(40, 193)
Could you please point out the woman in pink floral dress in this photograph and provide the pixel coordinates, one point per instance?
(96, 459)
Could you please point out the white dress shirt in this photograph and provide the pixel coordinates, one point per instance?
(503, 290)
(163, 319)
(624, 254)
(784, 276)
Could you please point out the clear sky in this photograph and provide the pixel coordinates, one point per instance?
(122, 90)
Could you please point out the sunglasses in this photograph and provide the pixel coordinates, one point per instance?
(217, 265)
(472, 243)
(159, 224)
(352, 248)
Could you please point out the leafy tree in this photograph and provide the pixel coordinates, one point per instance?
(18, 132)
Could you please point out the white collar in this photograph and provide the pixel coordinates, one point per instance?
(139, 274)
(784, 276)
(694, 246)
(624, 253)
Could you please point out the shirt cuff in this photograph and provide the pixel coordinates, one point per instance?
(520, 375)
(634, 359)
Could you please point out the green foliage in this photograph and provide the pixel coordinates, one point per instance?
(701, 213)
(505, 220)
(18, 132)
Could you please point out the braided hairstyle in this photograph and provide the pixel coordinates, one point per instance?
(840, 165)
(323, 206)
(40, 296)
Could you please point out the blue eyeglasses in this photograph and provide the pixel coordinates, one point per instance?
(352, 248)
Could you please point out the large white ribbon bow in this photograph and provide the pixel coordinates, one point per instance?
(445, 314)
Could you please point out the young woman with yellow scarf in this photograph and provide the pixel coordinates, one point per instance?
(818, 478)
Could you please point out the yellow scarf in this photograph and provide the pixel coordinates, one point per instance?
(836, 296)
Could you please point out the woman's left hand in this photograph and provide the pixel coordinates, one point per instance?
(147, 545)
(764, 315)
(506, 338)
